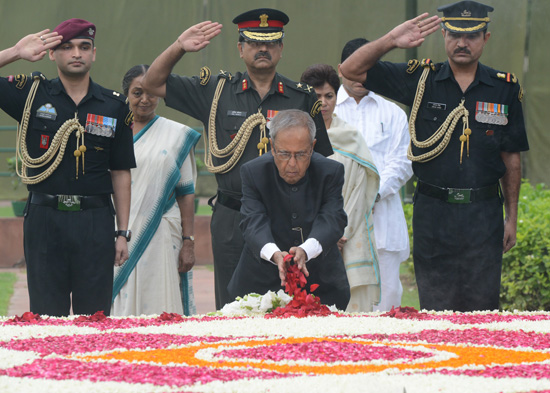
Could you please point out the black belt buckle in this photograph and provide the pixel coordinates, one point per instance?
(68, 203)
(459, 195)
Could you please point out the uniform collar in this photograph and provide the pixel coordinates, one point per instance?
(482, 74)
(277, 86)
(93, 90)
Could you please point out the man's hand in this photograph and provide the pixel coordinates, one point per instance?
(186, 259)
(343, 240)
(279, 258)
(121, 251)
(412, 33)
(34, 46)
(300, 259)
(198, 37)
(510, 229)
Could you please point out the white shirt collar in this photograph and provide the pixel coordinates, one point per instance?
(343, 95)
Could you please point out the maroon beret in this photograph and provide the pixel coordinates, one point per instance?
(75, 28)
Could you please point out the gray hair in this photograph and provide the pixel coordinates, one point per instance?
(291, 118)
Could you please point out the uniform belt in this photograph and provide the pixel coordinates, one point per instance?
(229, 201)
(70, 202)
(458, 195)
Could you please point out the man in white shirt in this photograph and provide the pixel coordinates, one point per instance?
(384, 126)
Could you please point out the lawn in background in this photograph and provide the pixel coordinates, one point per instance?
(7, 281)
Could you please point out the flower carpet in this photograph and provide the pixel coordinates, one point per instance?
(400, 351)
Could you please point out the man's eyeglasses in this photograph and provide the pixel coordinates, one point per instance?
(286, 156)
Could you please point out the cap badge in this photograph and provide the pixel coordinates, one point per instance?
(91, 31)
(263, 20)
(466, 14)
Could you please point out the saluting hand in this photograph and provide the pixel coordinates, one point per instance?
(412, 33)
(34, 46)
(197, 37)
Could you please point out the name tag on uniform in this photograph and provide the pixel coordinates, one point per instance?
(437, 105)
(236, 113)
(47, 111)
(100, 125)
(487, 112)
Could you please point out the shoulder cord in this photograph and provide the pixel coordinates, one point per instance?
(58, 143)
(236, 148)
(444, 131)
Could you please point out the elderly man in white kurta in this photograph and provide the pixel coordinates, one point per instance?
(384, 126)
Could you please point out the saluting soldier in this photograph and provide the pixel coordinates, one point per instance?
(75, 145)
(467, 132)
(235, 110)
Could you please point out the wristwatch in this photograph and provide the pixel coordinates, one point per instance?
(192, 238)
(127, 234)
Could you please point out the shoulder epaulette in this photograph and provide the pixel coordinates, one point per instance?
(506, 76)
(412, 65)
(38, 75)
(303, 87)
(113, 94)
(428, 63)
(224, 74)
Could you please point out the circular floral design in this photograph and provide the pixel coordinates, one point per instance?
(481, 352)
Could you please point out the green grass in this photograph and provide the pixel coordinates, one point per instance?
(410, 291)
(7, 280)
(6, 211)
(204, 210)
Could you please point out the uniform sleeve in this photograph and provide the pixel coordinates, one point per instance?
(13, 94)
(393, 81)
(255, 223)
(331, 220)
(514, 137)
(187, 95)
(122, 151)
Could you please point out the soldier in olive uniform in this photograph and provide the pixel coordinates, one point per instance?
(235, 110)
(467, 132)
(76, 148)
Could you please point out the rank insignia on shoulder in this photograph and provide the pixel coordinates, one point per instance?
(20, 80)
(427, 63)
(507, 76)
(37, 75)
(245, 84)
(204, 75)
(412, 65)
(117, 94)
(316, 108)
(299, 85)
(280, 88)
(226, 75)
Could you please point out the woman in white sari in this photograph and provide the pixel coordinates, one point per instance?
(161, 213)
(360, 189)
